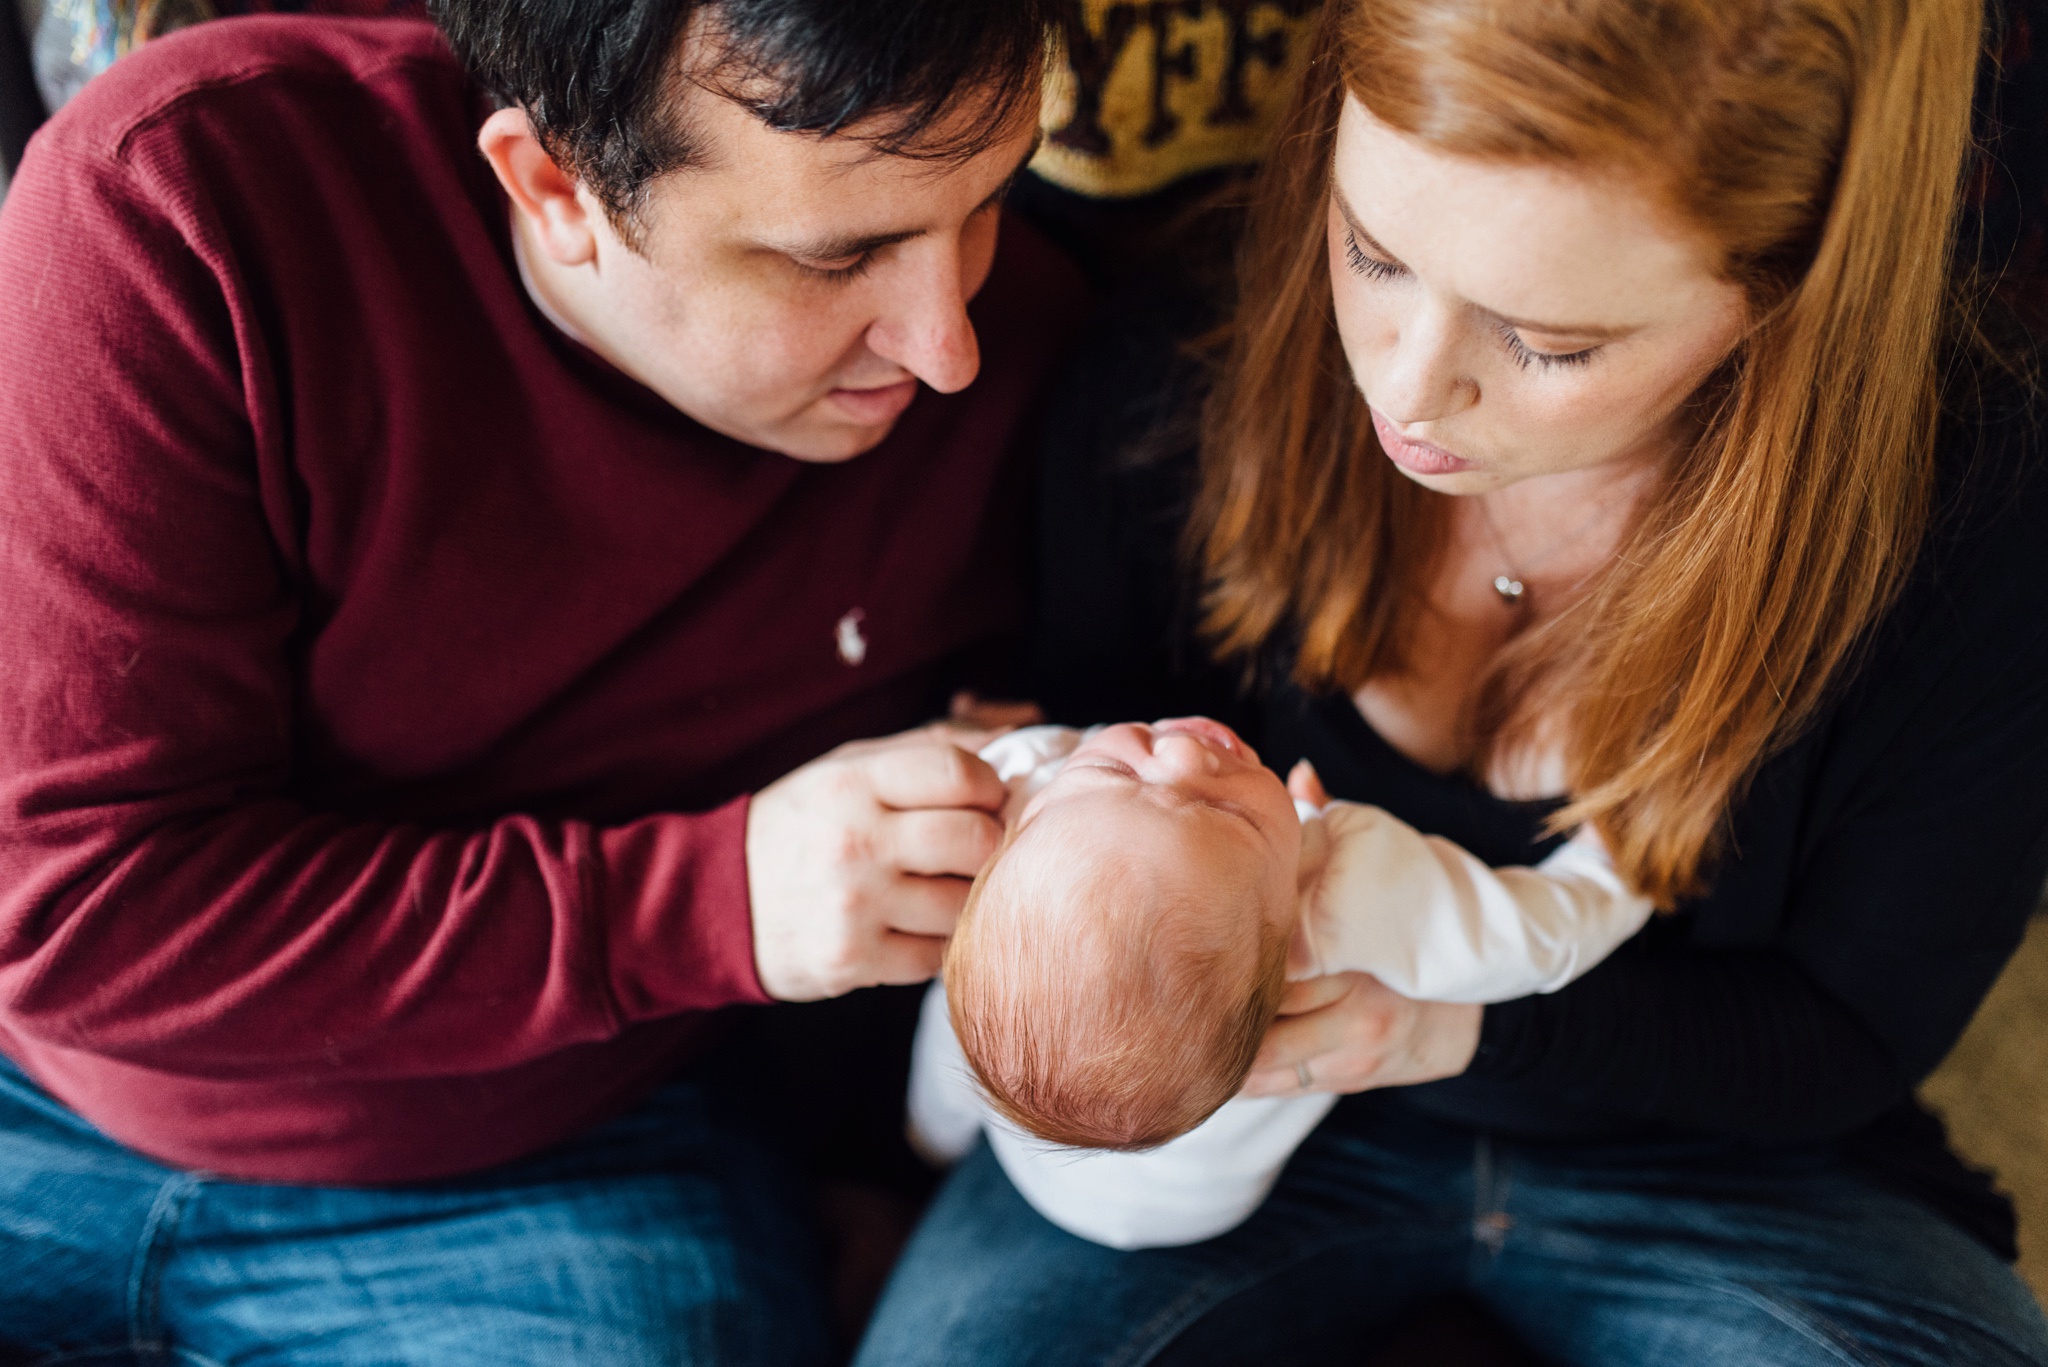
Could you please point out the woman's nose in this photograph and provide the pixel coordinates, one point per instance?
(1421, 375)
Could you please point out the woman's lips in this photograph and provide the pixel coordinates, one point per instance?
(873, 407)
(1416, 457)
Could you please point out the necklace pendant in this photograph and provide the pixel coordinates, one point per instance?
(1509, 589)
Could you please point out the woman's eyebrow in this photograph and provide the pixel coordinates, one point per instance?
(1357, 229)
(1592, 332)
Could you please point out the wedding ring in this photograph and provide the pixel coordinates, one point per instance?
(1301, 1076)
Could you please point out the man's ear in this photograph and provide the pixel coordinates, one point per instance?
(544, 193)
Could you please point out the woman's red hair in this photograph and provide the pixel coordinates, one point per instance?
(1816, 147)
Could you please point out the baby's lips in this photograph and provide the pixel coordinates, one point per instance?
(1207, 729)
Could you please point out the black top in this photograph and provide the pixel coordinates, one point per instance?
(1881, 870)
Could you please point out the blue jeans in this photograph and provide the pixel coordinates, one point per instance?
(1669, 1253)
(664, 1237)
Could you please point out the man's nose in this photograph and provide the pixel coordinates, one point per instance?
(924, 325)
(1421, 375)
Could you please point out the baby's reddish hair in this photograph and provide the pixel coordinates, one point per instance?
(1100, 1005)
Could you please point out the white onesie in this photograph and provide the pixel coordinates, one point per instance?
(1416, 911)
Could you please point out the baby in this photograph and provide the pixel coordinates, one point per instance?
(1120, 959)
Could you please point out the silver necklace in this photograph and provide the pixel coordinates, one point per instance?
(1513, 587)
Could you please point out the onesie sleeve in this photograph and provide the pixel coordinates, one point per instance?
(1435, 923)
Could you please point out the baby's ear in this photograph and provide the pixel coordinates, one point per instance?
(1303, 785)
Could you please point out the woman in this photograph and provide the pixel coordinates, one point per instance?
(1604, 442)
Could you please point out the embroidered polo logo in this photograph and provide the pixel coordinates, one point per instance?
(853, 647)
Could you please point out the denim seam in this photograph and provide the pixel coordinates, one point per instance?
(145, 1320)
(1814, 1326)
(1490, 1183)
(1816, 1323)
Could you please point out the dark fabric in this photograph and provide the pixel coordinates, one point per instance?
(1880, 872)
(385, 673)
(21, 108)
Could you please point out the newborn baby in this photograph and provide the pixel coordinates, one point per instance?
(1120, 959)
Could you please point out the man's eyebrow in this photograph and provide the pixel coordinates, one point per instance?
(1593, 332)
(839, 248)
(1002, 191)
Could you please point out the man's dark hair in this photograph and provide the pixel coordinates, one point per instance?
(600, 79)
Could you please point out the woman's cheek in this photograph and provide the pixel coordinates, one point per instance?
(1369, 331)
(1566, 423)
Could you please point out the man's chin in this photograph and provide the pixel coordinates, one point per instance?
(844, 423)
(811, 436)
(832, 443)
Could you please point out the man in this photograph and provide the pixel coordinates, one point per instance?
(410, 560)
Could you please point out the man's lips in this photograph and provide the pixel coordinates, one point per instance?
(1417, 457)
(871, 407)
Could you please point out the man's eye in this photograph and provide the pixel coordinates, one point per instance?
(1371, 266)
(838, 272)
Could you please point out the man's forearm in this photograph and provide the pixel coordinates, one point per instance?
(268, 939)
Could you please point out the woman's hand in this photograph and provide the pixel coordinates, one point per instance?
(1350, 1032)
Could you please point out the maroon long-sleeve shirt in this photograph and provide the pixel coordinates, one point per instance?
(381, 675)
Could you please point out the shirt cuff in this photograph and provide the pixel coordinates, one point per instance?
(678, 912)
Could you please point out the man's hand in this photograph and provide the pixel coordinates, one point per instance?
(858, 862)
(1350, 1032)
(993, 714)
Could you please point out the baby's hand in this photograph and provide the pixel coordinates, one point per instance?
(1303, 785)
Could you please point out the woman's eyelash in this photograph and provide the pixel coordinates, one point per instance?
(1367, 265)
(840, 275)
(1525, 355)
(1522, 353)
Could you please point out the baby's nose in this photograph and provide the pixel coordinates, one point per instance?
(1184, 754)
